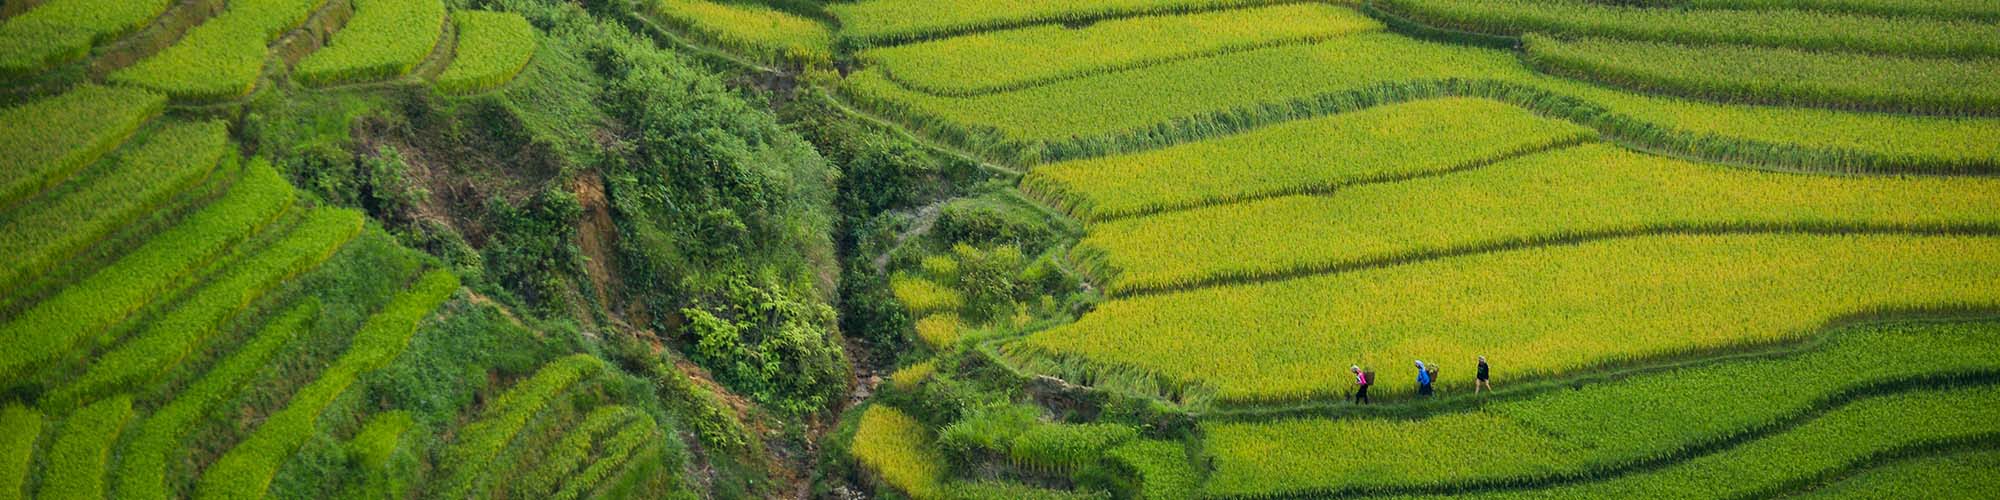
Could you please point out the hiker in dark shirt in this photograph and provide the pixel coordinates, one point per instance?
(1362, 380)
(1480, 381)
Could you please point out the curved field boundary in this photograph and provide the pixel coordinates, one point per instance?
(1585, 193)
(466, 463)
(1605, 429)
(57, 32)
(385, 39)
(1002, 61)
(1619, 301)
(142, 470)
(43, 142)
(1776, 76)
(44, 232)
(493, 47)
(81, 452)
(1947, 475)
(246, 470)
(1183, 102)
(1829, 442)
(1944, 9)
(894, 22)
(170, 339)
(1313, 156)
(576, 449)
(165, 265)
(616, 454)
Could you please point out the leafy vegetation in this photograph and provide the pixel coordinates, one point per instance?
(45, 231)
(493, 47)
(1015, 59)
(222, 58)
(1778, 76)
(56, 32)
(1568, 308)
(45, 141)
(1386, 143)
(87, 309)
(384, 40)
(1586, 192)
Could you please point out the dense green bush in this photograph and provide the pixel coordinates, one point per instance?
(768, 345)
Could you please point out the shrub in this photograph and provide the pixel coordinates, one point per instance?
(48, 230)
(384, 40)
(44, 141)
(160, 268)
(492, 48)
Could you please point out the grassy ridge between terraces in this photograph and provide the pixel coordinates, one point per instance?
(493, 47)
(246, 470)
(1757, 75)
(770, 34)
(1197, 99)
(385, 39)
(44, 141)
(1010, 60)
(1314, 155)
(577, 449)
(1582, 192)
(1596, 430)
(1801, 29)
(40, 234)
(886, 22)
(465, 465)
(222, 58)
(1546, 310)
(162, 267)
(62, 31)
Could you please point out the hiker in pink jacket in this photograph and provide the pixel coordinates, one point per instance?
(1361, 383)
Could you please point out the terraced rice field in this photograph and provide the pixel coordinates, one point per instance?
(1693, 236)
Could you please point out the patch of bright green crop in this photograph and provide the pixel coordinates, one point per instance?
(1203, 98)
(246, 470)
(222, 58)
(576, 449)
(897, 21)
(81, 452)
(1591, 190)
(466, 464)
(43, 142)
(62, 31)
(43, 232)
(1008, 60)
(635, 440)
(1548, 310)
(161, 267)
(769, 34)
(17, 447)
(492, 48)
(898, 448)
(1382, 143)
(168, 340)
(1756, 75)
(1161, 466)
(1594, 429)
(1961, 475)
(384, 40)
(1802, 29)
(1945, 9)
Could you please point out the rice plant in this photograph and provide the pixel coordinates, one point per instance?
(57, 32)
(1801, 29)
(222, 58)
(769, 34)
(467, 463)
(493, 47)
(42, 142)
(385, 39)
(886, 22)
(898, 448)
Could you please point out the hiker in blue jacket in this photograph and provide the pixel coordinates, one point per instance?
(1423, 379)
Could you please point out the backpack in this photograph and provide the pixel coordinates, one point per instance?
(1369, 376)
(1433, 372)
